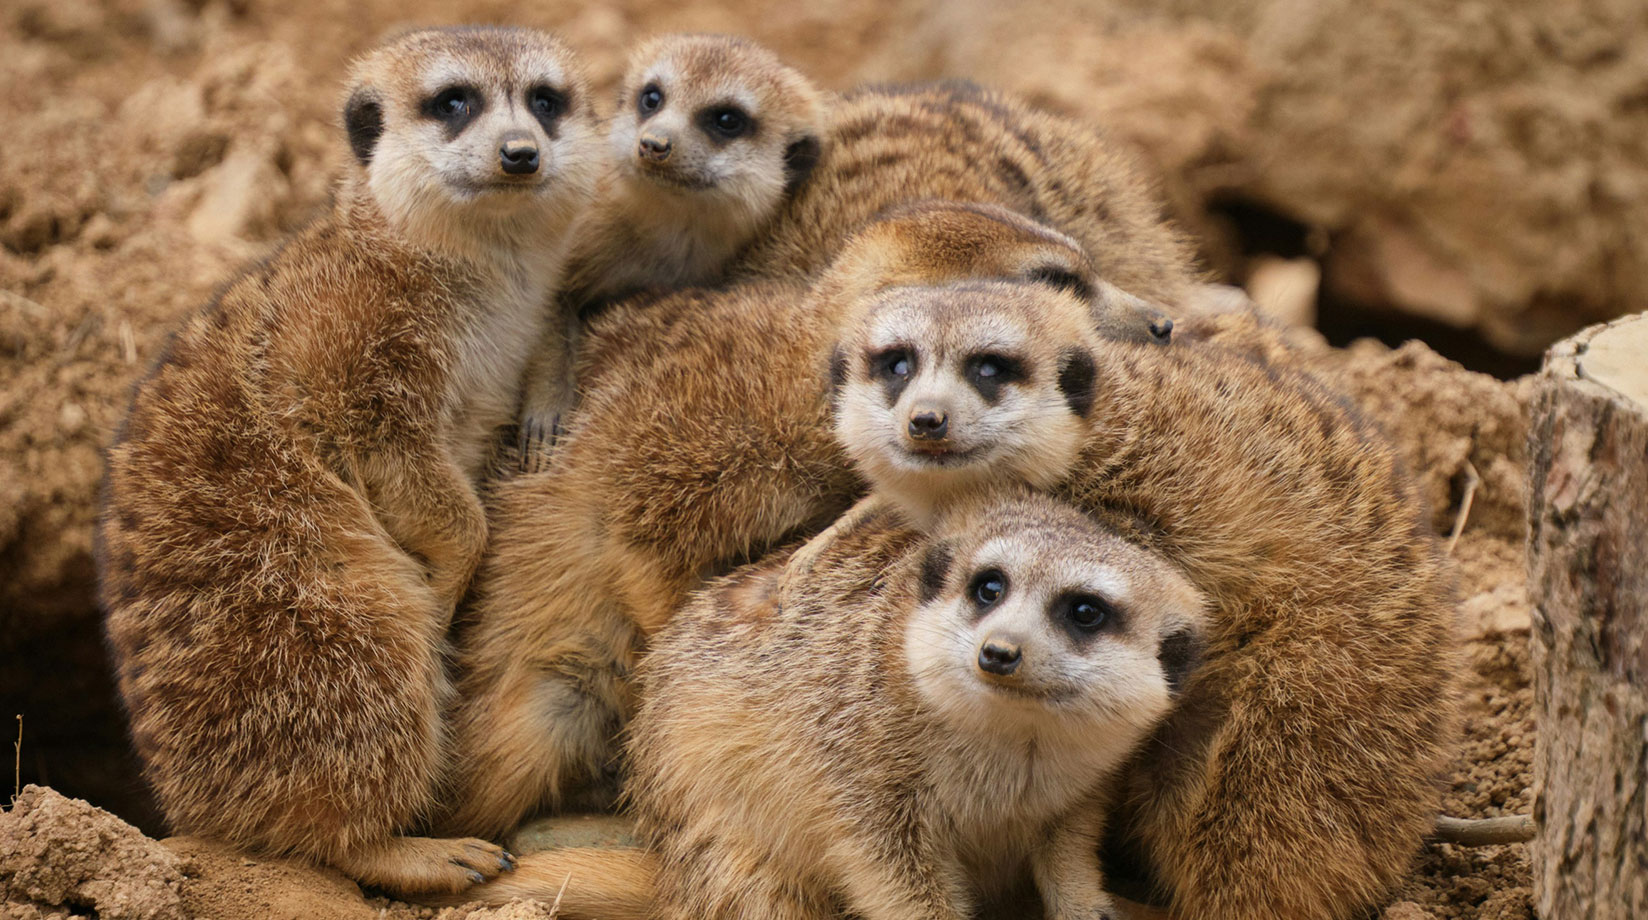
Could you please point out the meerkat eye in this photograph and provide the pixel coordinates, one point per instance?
(1087, 612)
(728, 122)
(987, 587)
(988, 372)
(894, 363)
(546, 104)
(455, 105)
(650, 100)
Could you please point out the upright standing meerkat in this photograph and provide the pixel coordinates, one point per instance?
(650, 496)
(908, 735)
(290, 513)
(711, 136)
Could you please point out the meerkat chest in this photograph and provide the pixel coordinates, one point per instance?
(495, 339)
(999, 795)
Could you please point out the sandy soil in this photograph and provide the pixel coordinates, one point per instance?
(1419, 156)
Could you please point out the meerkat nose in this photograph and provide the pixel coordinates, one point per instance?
(929, 425)
(1162, 330)
(518, 154)
(999, 657)
(655, 148)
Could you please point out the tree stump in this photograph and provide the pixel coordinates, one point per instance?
(1588, 583)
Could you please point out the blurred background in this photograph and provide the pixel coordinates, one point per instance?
(1472, 174)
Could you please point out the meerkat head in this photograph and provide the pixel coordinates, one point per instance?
(1034, 618)
(719, 118)
(933, 241)
(464, 132)
(943, 390)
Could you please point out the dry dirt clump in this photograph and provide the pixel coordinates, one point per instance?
(62, 857)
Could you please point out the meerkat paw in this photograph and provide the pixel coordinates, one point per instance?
(537, 439)
(417, 866)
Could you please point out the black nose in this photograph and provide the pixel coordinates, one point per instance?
(1162, 330)
(655, 148)
(929, 425)
(999, 657)
(518, 156)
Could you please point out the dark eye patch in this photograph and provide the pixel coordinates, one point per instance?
(547, 104)
(649, 100)
(1084, 615)
(726, 122)
(988, 372)
(1062, 278)
(987, 588)
(454, 107)
(893, 368)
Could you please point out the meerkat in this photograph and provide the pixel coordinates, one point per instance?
(937, 715)
(957, 141)
(290, 512)
(651, 496)
(1292, 514)
(908, 750)
(1298, 771)
(712, 134)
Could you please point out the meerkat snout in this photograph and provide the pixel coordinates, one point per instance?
(654, 148)
(929, 424)
(999, 656)
(518, 154)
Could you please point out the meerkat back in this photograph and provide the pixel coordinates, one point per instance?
(889, 145)
(289, 514)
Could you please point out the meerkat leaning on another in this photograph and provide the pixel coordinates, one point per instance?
(934, 718)
(909, 749)
(712, 135)
(652, 496)
(1297, 776)
(290, 513)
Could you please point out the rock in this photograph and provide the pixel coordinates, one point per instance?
(61, 852)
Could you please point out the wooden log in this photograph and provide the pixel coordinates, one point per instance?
(1588, 583)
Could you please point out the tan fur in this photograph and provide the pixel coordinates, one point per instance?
(960, 142)
(855, 748)
(290, 513)
(1297, 778)
(1298, 773)
(681, 197)
(703, 441)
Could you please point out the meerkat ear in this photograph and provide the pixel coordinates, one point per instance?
(935, 569)
(1179, 654)
(799, 159)
(363, 120)
(1076, 375)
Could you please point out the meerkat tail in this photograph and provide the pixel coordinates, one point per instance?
(588, 883)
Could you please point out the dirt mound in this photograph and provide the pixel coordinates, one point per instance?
(60, 854)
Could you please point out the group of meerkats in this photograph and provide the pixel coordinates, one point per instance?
(860, 519)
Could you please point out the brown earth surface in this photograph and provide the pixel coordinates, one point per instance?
(1473, 172)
